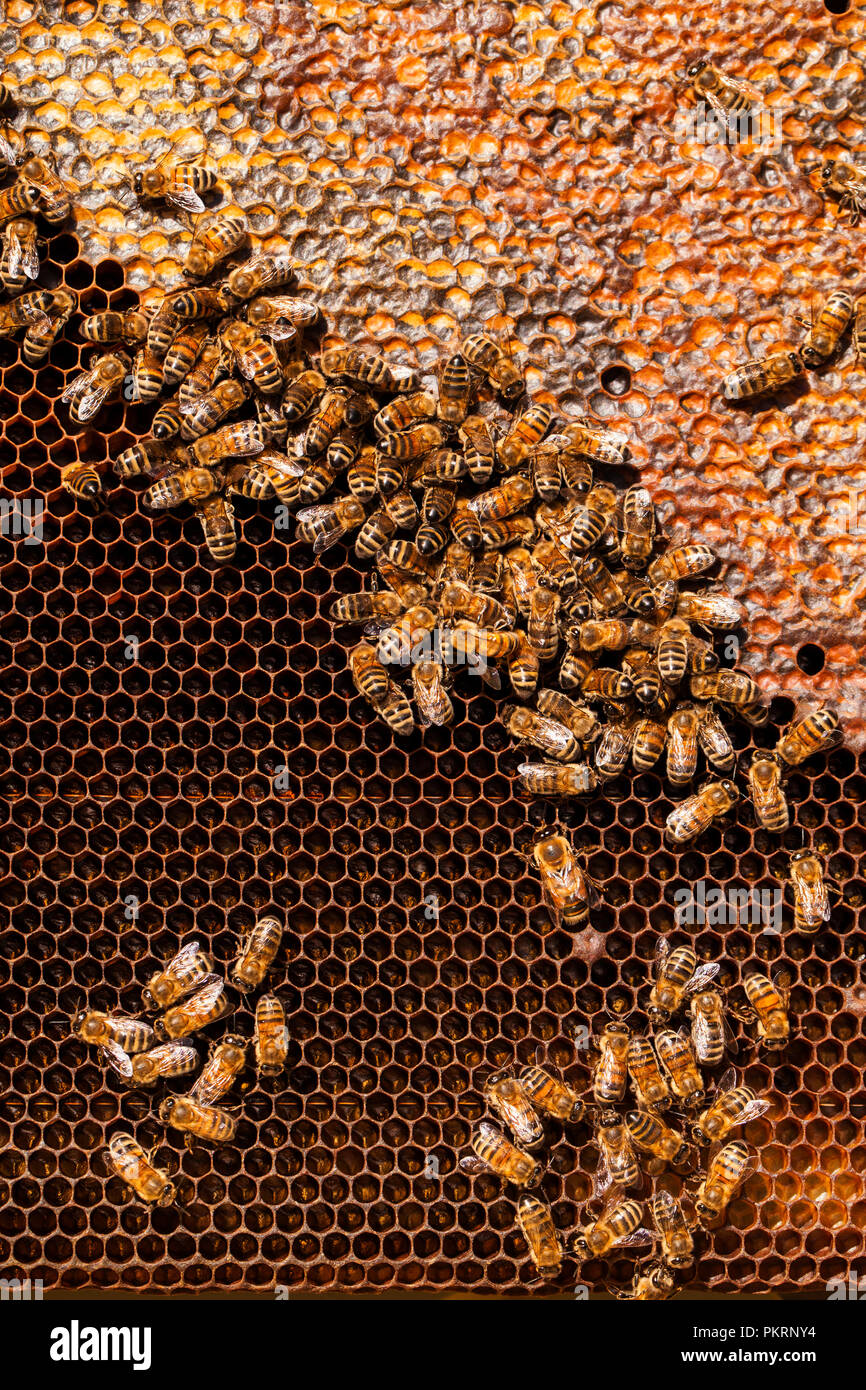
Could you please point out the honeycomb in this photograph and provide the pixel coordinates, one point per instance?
(183, 745)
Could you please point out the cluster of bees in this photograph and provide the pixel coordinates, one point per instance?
(569, 891)
(663, 1069)
(840, 180)
(191, 997)
(37, 196)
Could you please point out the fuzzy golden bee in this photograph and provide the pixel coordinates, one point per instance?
(812, 734)
(536, 1222)
(198, 1121)
(493, 1153)
(486, 356)
(97, 1027)
(19, 254)
(765, 790)
(187, 970)
(226, 1061)
(128, 1160)
(762, 376)
(811, 895)
(180, 184)
(102, 382)
(258, 953)
(727, 1171)
(697, 813)
(271, 1043)
(212, 242)
(619, 1225)
(206, 1005)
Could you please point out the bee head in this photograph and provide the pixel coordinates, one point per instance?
(827, 171)
(696, 68)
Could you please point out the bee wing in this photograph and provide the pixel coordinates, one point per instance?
(28, 258)
(182, 144)
(119, 1061)
(664, 1206)
(702, 976)
(718, 104)
(15, 256)
(78, 386)
(660, 955)
(782, 978)
(185, 954)
(471, 1163)
(280, 330)
(89, 402)
(602, 1179)
(759, 1106)
(727, 1081)
(184, 199)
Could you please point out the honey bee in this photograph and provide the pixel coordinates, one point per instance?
(546, 472)
(274, 428)
(814, 733)
(677, 974)
(496, 534)
(647, 743)
(133, 1166)
(53, 197)
(677, 1246)
(599, 445)
(163, 1063)
(465, 527)
(731, 1106)
(455, 389)
(28, 308)
(550, 1095)
(190, 968)
(227, 1059)
(509, 1101)
(431, 698)
(618, 1225)
(19, 256)
(212, 243)
(610, 1073)
(82, 480)
(724, 95)
(113, 326)
(194, 358)
(674, 1051)
(566, 888)
(239, 440)
(731, 687)
(187, 485)
(302, 394)
(130, 1034)
(617, 1162)
(255, 357)
(206, 1122)
(637, 529)
(410, 443)
(525, 434)
(557, 779)
(714, 740)
(672, 652)
(601, 585)
(42, 333)
(592, 518)
(20, 200)
(503, 501)
(553, 739)
(536, 1222)
(217, 517)
(826, 331)
(204, 414)
(367, 369)
(269, 473)
(396, 710)
(191, 305)
(576, 717)
(493, 1153)
(765, 789)
(362, 607)
(653, 1282)
(265, 272)
(361, 477)
(681, 562)
(180, 184)
(761, 375)
(87, 392)
(640, 667)
(847, 183)
(404, 412)
(369, 675)
(375, 534)
(811, 896)
(613, 749)
(257, 954)
(683, 726)
(710, 1030)
(603, 683)
(479, 449)
(147, 375)
(398, 642)
(162, 328)
(727, 1171)
(279, 316)
(148, 455)
(769, 1001)
(652, 1136)
(486, 356)
(697, 813)
(206, 1005)
(272, 1035)
(542, 627)
(650, 1087)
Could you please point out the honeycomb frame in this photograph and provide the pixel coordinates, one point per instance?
(146, 798)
